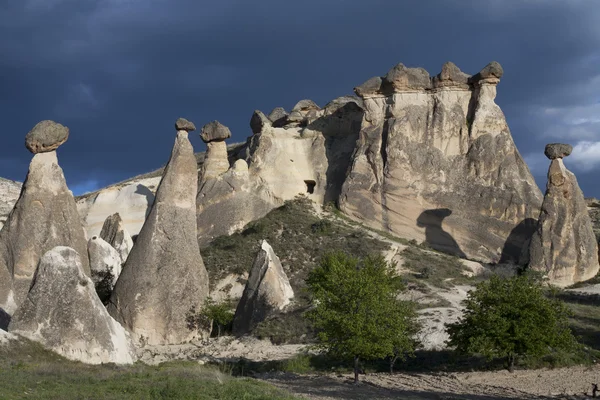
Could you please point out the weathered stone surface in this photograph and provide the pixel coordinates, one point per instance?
(278, 116)
(451, 76)
(268, 289)
(306, 105)
(336, 104)
(164, 281)
(46, 136)
(371, 87)
(215, 162)
(259, 121)
(402, 78)
(105, 266)
(114, 233)
(493, 71)
(440, 165)
(45, 216)
(9, 193)
(63, 313)
(215, 131)
(558, 150)
(183, 124)
(564, 246)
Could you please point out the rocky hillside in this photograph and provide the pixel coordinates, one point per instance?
(594, 210)
(9, 193)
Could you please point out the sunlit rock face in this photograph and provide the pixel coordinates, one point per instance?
(564, 246)
(435, 161)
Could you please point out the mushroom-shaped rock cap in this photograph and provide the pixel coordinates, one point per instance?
(183, 124)
(306, 105)
(403, 78)
(558, 150)
(492, 70)
(278, 114)
(46, 136)
(370, 87)
(259, 121)
(451, 75)
(215, 131)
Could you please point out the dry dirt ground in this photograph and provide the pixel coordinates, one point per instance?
(566, 383)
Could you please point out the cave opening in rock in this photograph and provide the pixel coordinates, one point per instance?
(310, 186)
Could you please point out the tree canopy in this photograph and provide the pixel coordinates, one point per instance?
(357, 312)
(510, 318)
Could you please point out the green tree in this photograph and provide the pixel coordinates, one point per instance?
(220, 313)
(357, 313)
(510, 318)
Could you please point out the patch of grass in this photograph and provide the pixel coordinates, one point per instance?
(438, 269)
(28, 371)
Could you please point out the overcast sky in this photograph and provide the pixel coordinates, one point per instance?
(118, 73)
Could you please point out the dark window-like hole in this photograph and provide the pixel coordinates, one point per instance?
(310, 186)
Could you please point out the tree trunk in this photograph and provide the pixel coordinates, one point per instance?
(355, 369)
(392, 362)
(218, 331)
(511, 362)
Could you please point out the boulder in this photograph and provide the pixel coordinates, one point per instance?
(183, 124)
(441, 167)
(267, 290)
(306, 105)
(493, 72)
(278, 116)
(451, 76)
(164, 282)
(371, 87)
(215, 131)
(558, 150)
(259, 121)
(564, 246)
(45, 216)
(46, 136)
(105, 265)
(402, 78)
(63, 313)
(114, 233)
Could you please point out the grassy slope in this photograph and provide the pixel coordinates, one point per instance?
(27, 371)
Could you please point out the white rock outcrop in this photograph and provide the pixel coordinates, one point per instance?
(63, 313)
(114, 233)
(105, 265)
(268, 289)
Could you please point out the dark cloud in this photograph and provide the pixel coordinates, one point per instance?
(119, 72)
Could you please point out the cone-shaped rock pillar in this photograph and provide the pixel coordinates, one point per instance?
(63, 313)
(45, 216)
(564, 246)
(267, 290)
(164, 281)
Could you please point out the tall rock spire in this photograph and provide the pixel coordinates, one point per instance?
(45, 216)
(164, 281)
(564, 245)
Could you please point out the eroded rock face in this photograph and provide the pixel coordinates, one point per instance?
(216, 160)
(564, 246)
(164, 280)
(45, 216)
(9, 193)
(114, 233)
(436, 162)
(63, 312)
(268, 289)
(105, 265)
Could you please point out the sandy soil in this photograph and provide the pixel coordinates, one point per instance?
(566, 383)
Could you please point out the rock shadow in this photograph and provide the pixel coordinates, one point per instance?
(147, 193)
(341, 131)
(516, 247)
(435, 235)
(4, 320)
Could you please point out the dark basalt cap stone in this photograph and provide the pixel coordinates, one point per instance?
(558, 150)
(492, 70)
(183, 124)
(46, 136)
(215, 131)
(370, 87)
